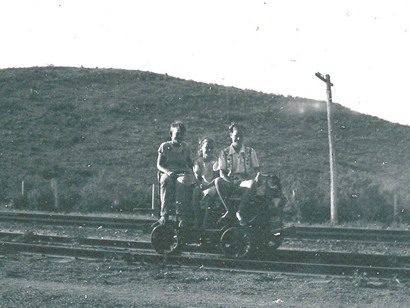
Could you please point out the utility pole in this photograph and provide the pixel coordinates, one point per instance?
(333, 204)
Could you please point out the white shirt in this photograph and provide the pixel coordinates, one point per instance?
(238, 160)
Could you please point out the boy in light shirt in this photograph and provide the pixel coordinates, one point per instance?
(239, 171)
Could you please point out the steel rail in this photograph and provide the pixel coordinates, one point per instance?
(339, 233)
(77, 220)
(286, 261)
(85, 241)
(144, 224)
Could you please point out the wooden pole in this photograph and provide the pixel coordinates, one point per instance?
(333, 203)
(153, 199)
(395, 208)
(54, 188)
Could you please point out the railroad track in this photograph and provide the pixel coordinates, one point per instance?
(144, 223)
(285, 261)
(141, 223)
(354, 234)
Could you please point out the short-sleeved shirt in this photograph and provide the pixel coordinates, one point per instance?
(238, 164)
(175, 158)
(204, 169)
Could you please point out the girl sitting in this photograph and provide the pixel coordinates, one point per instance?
(205, 191)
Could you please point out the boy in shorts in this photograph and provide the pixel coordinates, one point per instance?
(239, 172)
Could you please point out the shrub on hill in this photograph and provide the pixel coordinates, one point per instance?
(95, 134)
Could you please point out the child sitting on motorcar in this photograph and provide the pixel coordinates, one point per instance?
(174, 164)
(205, 191)
(239, 173)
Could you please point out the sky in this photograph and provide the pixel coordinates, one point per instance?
(272, 46)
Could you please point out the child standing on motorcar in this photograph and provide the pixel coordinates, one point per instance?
(205, 191)
(238, 172)
(174, 164)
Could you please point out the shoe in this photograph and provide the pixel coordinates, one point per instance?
(186, 224)
(162, 221)
(242, 221)
(225, 219)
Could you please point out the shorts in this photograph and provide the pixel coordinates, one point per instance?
(211, 191)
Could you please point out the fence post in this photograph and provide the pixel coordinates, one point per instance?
(153, 199)
(395, 208)
(54, 188)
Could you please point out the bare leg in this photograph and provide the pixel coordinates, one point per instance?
(246, 197)
(224, 189)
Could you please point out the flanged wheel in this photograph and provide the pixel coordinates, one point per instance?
(164, 239)
(271, 239)
(276, 239)
(236, 242)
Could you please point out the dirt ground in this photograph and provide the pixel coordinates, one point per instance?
(41, 281)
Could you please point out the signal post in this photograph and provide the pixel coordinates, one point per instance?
(333, 204)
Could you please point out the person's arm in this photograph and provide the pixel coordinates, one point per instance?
(211, 170)
(187, 150)
(205, 184)
(222, 174)
(197, 173)
(258, 175)
(222, 167)
(255, 165)
(160, 165)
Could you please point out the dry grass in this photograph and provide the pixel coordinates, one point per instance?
(96, 131)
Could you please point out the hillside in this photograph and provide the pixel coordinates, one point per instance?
(96, 133)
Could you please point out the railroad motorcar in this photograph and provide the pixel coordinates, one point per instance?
(265, 229)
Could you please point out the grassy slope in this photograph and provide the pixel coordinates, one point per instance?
(97, 132)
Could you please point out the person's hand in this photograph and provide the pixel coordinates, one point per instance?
(172, 175)
(257, 177)
(204, 186)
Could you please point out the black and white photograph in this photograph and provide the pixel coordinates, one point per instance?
(180, 153)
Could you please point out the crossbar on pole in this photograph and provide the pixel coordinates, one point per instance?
(333, 204)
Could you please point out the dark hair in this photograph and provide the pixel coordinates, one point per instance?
(237, 126)
(178, 124)
(201, 143)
